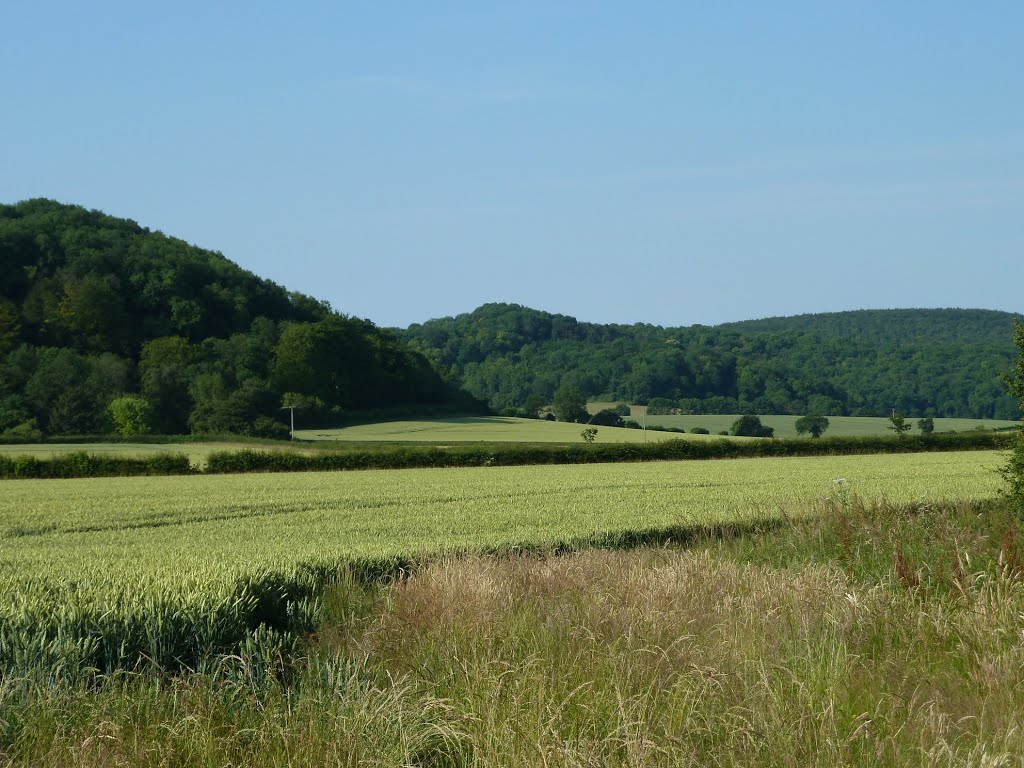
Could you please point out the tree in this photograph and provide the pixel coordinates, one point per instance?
(1014, 469)
(166, 370)
(814, 424)
(131, 414)
(569, 404)
(751, 426)
(589, 434)
(926, 425)
(607, 418)
(899, 424)
(533, 405)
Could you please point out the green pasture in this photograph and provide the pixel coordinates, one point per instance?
(490, 429)
(785, 426)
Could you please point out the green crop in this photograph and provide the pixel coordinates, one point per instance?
(177, 571)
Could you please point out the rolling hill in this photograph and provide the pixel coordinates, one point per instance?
(923, 362)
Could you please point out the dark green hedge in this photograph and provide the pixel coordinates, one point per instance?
(81, 464)
(516, 455)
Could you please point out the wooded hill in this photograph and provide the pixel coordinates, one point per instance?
(97, 310)
(924, 362)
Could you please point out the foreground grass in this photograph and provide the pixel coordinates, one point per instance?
(871, 634)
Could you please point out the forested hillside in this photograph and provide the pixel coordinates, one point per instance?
(105, 325)
(930, 362)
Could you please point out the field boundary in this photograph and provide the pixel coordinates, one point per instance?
(82, 464)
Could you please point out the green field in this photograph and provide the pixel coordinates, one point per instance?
(199, 557)
(839, 426)
(491, 429)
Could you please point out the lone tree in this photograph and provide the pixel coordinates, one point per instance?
(1014, 469)
(589, 434)
(570, 404)
(926, 425)
(899, 424)
(751, 426)
(814, 424)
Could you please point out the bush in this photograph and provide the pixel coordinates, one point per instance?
(699, 431)
(265, 426)
(81, 464)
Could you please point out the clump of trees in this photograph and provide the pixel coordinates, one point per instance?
(751, 426)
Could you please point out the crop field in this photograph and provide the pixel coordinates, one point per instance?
(100, 572)
(492, 429)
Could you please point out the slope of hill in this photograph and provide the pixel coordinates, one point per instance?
(924, 362)
(892, 326)
(95, 308)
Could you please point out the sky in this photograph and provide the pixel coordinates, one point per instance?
(670, 163)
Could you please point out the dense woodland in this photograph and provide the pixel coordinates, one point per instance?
(105, 325)
(923, 362)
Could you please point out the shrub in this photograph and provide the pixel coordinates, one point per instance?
(607, 418)
(699, 431)
(751, 426)
(27, 430)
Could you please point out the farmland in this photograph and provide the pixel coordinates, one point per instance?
(101, 570)
(494, 429)
(785, 426)
(783, 646)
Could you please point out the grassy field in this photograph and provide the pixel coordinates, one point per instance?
(492, 429)
(785, 426)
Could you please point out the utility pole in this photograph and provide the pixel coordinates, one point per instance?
(292, 409)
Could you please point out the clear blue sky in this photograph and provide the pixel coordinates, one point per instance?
(672, 163)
